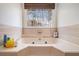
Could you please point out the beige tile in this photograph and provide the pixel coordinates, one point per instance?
(70, 33)
(38, 32)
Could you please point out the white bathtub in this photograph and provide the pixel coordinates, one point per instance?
(40, 47)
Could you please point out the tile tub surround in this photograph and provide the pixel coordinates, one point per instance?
(70, 33)
(13, 32)
(38, 32)
(55, 47)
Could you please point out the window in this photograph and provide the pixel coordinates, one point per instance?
(39, 17)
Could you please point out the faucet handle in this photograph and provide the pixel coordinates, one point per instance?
(45, 42)
(33, 42)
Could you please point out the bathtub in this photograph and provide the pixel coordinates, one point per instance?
(53, 47)
(40, 47)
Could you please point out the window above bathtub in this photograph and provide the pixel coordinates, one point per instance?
(38, 15)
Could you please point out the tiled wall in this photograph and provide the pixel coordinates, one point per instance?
(70, 33)
(13, 32)
(34, 32)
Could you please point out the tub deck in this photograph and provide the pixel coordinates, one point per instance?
(58, 48)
